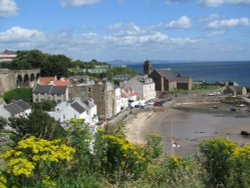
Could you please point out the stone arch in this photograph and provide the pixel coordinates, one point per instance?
(37, 76)
(32, 77)
(19, 80)
(26, 80)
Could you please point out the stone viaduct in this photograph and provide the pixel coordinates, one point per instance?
(11, 79)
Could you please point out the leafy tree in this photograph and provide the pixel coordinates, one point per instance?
(120, 71)
(38, 124)
(28, 59)
(44, 105)
(56, 65)
(17, 94)
(215, 155)
(3, 122)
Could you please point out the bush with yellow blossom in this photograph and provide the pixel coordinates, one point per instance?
(32, 158)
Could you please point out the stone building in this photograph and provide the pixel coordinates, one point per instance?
(235, 90)
(143, 86)
(167, 79)
(48, 92)
(103, 93)
(7, 56)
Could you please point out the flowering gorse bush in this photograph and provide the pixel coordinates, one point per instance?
(3, 181)
(32, 158)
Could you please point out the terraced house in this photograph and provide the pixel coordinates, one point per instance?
(49, 92)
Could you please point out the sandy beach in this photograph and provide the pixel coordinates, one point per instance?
(186, 128)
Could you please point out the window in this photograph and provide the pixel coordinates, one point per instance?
(63, 116)
(89, 89)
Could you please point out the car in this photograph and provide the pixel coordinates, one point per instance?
(163, 101)
(157, 104)
(233, 109)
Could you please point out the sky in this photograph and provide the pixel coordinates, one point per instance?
(134, 30)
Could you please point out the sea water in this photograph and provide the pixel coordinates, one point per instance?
(238, 71)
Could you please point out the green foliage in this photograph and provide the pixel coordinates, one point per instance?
(39, 124)
(205, 87)
(154, 146)
(19, 93)
(120, 71)
(44, 105)
(3, 122)
(109, 160)
(35, 160)
(28, 60)
(215, 155)
(56, 65)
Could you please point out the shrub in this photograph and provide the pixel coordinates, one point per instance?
(35, 160)
(17, 94)
(214, 157)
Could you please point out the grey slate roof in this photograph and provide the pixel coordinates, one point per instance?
(23, 105)
(49, 89)
(58, 89)
(42, 89)
(13, 109)
(17, 107)
(77, 107)
(172, 75)
(168, 74)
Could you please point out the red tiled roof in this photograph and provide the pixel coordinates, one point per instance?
(45, 80)
(62, 83)
(52, 81)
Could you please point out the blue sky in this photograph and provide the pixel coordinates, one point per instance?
(132, 30)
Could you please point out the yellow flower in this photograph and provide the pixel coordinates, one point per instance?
(3, 181)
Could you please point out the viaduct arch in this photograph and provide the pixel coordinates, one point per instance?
(11, 79)
(26, 78)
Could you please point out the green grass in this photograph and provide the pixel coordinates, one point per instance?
(205, 87)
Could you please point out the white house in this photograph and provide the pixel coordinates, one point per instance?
(143, 86)
(15, 109)
(77, 109)
(118, 102)
(128, 95)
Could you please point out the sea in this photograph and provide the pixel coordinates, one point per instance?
(210, 72)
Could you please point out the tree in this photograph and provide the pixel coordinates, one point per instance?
(17, 94)
(28, 60)
(215, 155)
(56, 65)
(38, 124)
(3, 122)
(44, 105)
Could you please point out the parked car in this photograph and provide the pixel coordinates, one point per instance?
(157, 104)
(163, 101)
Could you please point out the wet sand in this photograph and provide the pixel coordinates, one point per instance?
(186, 128)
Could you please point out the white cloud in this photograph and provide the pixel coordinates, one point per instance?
(211, 17)
(216, 33)
(125, 29)
(217, 3)
(8, 8)
(217, 24)
(19, 34)
(77, 3)
(182, 22)
(116, 43)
